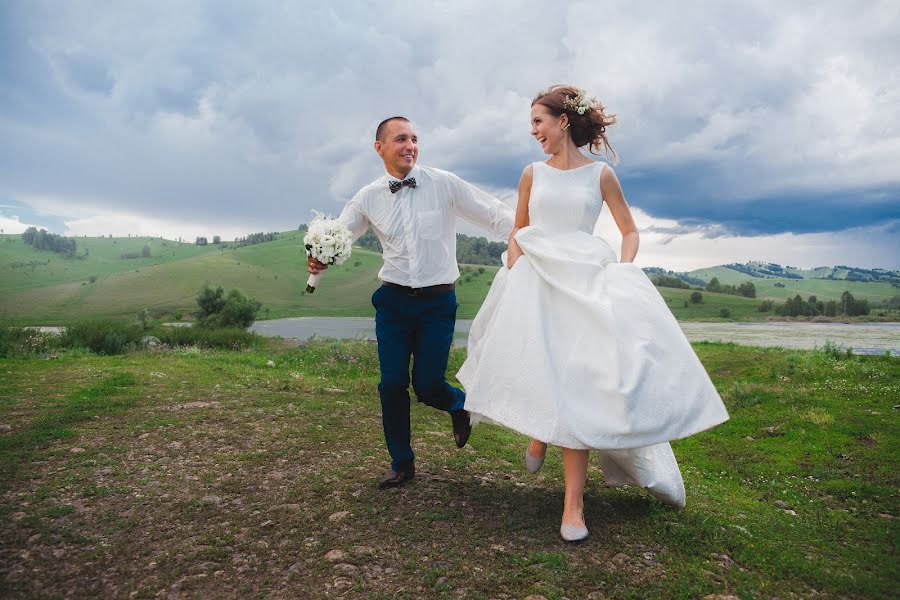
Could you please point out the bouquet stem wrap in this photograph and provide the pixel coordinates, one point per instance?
(329, 242)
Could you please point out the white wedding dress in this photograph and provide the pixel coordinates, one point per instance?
(577, 350)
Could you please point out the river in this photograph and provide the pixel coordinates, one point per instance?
(863, 338)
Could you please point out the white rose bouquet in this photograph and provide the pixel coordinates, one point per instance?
(329, 242)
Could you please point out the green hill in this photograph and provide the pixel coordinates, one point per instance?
(782, 288)
(42, 287)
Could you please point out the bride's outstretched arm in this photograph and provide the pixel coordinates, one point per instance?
(615, 200)
(514, 252)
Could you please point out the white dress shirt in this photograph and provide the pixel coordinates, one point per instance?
(417, 226)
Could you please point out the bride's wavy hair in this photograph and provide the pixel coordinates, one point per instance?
(588, 129)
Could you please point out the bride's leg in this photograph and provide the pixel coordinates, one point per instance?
(537, 449)
(575, 463)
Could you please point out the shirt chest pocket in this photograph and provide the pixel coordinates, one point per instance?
(430, 224)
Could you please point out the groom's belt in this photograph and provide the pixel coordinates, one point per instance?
(431, 290)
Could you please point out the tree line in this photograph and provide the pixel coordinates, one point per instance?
(813, 307)
(40, 239)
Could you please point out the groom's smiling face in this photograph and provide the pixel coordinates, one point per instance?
(398, 147)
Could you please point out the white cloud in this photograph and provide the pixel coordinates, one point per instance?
(12, 224)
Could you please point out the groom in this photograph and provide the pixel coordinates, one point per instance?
(413, 211)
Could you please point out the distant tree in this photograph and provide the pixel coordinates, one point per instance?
(831, 308)
(747, 289)
(725, 313)
(714, 285)
(201, 241)
(217, 239)
(696, 297)
(145, 251)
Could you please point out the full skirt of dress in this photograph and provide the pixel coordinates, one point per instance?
(575, 349)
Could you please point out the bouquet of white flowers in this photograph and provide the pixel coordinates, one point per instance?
(329, 242)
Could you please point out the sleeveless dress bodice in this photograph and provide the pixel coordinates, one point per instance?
(565, 200)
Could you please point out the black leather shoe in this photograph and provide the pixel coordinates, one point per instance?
(397, 478)
(461, 427)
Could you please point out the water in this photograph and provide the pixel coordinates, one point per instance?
(864, 338)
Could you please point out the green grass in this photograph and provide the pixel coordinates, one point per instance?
(823, 289)
(211, 473)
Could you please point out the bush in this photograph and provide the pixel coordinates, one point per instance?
(219, 310)
(232, 338)
(725, 313)
(765, 306)
(696, 297)
(101, 337)
(22, 341)
(143, 318)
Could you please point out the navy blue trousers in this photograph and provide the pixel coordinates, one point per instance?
(420, 327)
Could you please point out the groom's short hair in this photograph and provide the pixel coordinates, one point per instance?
(379, 133)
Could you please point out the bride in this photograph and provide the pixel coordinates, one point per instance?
(572, 347)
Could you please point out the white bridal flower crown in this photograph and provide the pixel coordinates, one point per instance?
(579, 103)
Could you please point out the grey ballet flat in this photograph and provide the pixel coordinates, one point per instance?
(571, 533)
(533, 464)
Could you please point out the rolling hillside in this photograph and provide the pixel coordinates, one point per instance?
(41, 287)
(824, 289)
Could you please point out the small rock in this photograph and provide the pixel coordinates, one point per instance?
(211, 500)
(742, 530)
(596, 596)
(59, 553)
(150, 341)
(749, 438)
(34, 538)
(150, 566)
(76, 450)
(363, 550)
(343, 582)
(270, 363)
(267, 523)
(334, 390)
(886, 516)
(793, 513)
(781, 504)
(346, 568)
(4, 427)
(441, 581)
(143, 436)
(536, 597)
(175, 445)
(335, 556)
(339, 516)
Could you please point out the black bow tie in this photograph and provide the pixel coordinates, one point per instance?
(396, 185)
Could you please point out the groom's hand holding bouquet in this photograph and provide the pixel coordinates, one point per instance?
(327, 242)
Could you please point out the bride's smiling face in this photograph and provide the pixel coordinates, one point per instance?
(548, 129)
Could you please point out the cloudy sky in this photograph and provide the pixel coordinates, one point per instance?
(746, 130)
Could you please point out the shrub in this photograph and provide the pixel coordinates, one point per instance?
(144, 318)
(101, 337)
(231, 338)
(696, 297)
(21, 341)
(725, 313)
(219, 310)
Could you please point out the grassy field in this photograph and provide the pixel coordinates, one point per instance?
(43, 288)
(198, 473)
(823, 289)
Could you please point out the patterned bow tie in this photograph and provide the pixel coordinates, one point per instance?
(396, 185)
